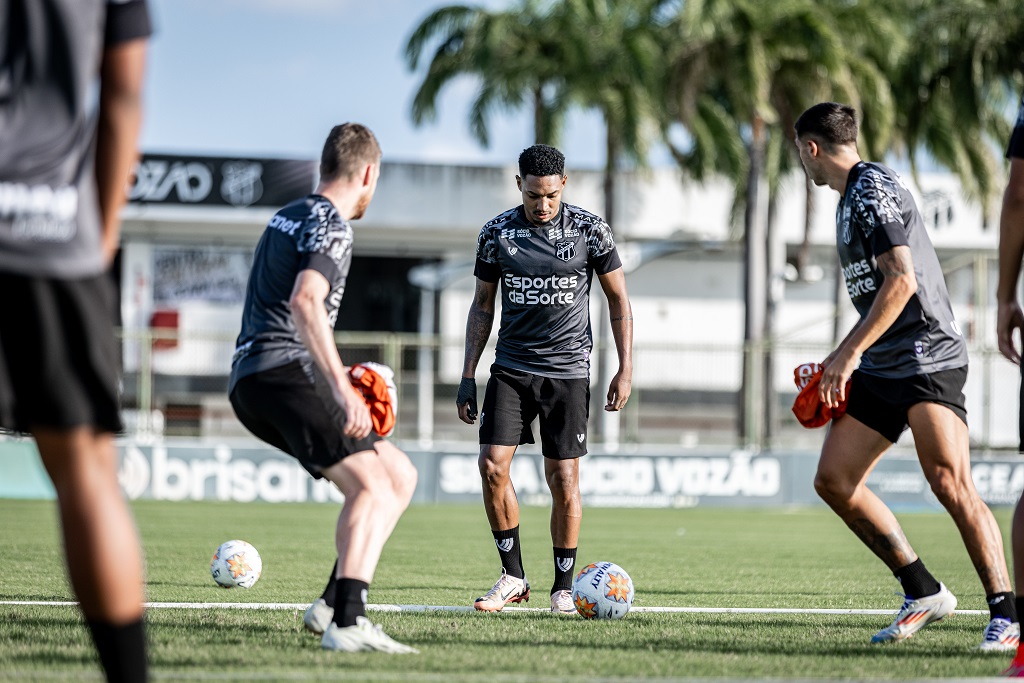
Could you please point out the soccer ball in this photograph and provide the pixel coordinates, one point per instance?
(602, 590)
(236, 564)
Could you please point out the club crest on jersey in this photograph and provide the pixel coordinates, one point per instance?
(565, 251)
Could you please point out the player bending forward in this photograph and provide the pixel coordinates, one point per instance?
(290, 388)
(908, 364)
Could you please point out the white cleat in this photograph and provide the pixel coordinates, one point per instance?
(507, 589)
(1000, 636)
(916, 614)
(561, 603)
(363, 637)
(318, 616)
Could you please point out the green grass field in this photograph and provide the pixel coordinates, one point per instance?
(801, 559)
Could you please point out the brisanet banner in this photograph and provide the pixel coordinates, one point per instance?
(245, 471)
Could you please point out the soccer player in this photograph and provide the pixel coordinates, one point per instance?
(1010, 318)
(543, 253)
(62, 179)
(290, 388)
(907, 362)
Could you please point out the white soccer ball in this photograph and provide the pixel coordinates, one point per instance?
(236, 564)
(602, 590)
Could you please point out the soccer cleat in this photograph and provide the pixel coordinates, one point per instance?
(507, 589)
(1000, 636)
(365, 636)
(916, 614)
(561, 602)
(318, 616)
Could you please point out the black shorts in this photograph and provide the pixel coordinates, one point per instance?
(882, 403)
(291, 408)
(514, 398)
(59, 365)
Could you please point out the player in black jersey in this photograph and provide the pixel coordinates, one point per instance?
(544, 254)
(908, 364)
(1010, 318)
(63, 170)
(290, 388)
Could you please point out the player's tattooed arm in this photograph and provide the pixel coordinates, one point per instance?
(479, 324)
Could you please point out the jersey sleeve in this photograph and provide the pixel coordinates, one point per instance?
(327, 250)
(126, 20)
(878, 212)
(1016, 148)
(487, 267)
(602, 255)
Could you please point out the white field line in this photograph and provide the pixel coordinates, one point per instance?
(467, 608)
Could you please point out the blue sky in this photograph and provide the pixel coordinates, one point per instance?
(270, 78)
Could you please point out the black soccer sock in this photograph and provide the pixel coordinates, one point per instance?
(509, 551)
(122, 650)
(1019, 604)
(916, 580)
(565, 561)
(1002, 606)
(350, 601)
(332, 585)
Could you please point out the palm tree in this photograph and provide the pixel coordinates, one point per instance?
(611, 62)
(513, 53)
(742, 71)
(952, 92)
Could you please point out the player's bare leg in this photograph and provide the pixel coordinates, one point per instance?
(403, 476)
(101, 543)
(502, 510)
(500, 501)
(373, 504)
(563, 478)
(372, 507)
(850, 452)
(944, 451)
(100, 539)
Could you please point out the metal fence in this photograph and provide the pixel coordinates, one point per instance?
(683, 395)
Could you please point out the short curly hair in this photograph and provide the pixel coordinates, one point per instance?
(541, 160)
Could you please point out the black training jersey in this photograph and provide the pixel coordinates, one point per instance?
(1016, 148)
(306, 234)
(545, 274)
(877, 213)
(50, 54)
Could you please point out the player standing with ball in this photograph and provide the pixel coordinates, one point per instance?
(543, 254)
(907, 363)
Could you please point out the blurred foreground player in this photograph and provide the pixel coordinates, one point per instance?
(907, 364)
(63, 171)
(1010, 319)
(290, 388)
(544, 253)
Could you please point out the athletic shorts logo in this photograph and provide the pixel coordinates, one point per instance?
(564, 564)
(580, 437)
(565, 251)
(504, 544)
(512, 251)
